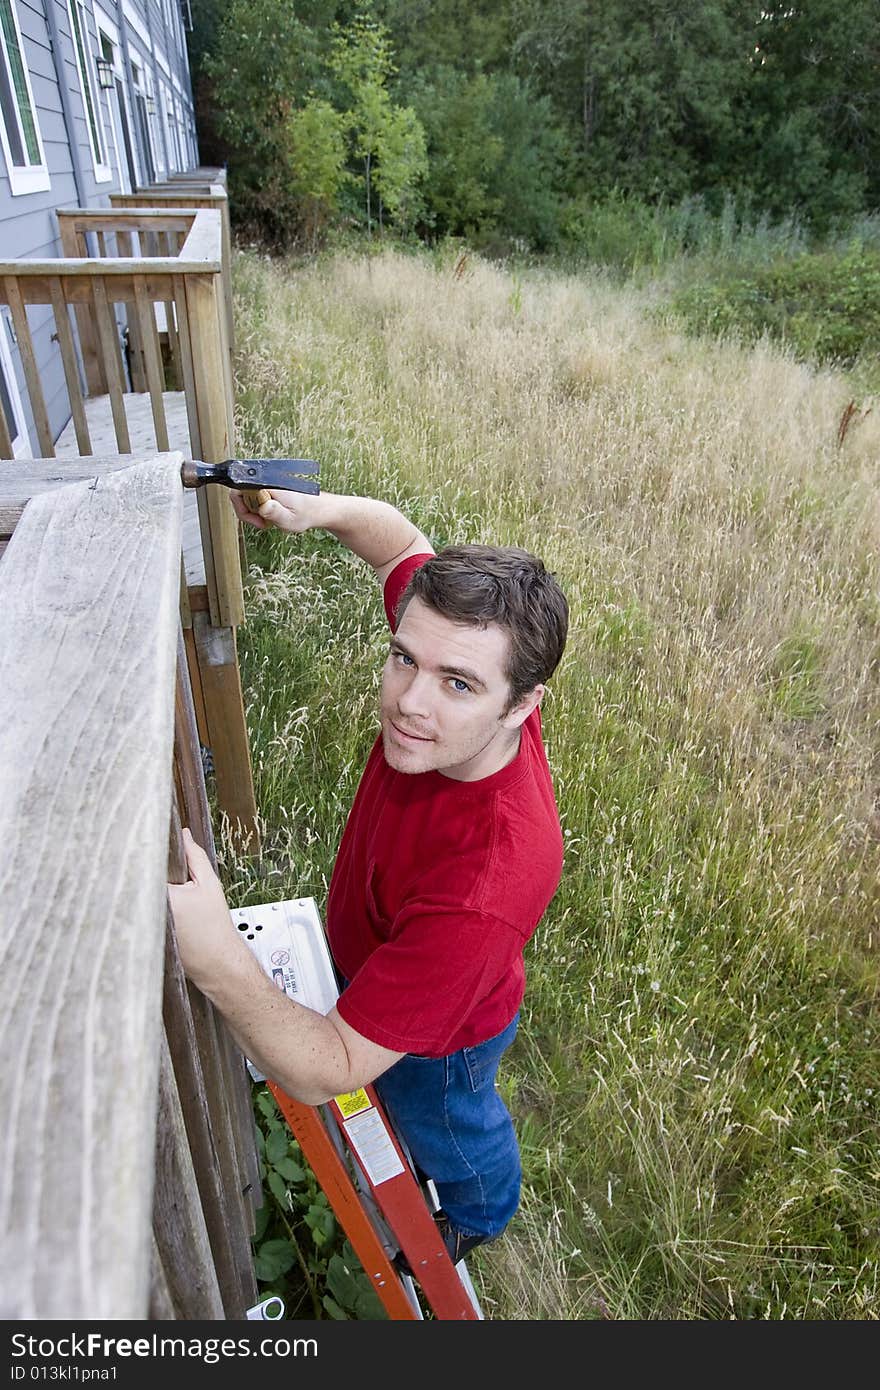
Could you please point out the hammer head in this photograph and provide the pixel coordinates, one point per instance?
(252, 475)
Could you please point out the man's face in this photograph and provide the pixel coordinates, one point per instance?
(445, 696)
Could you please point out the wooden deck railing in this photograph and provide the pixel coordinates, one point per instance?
(190, 194)
(130, 1175)
(140, 259)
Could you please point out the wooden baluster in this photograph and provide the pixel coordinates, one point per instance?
(112, 360)
(126, 242)
(171, 324)
(179, 1230)
(29, 363)
(149, 338)
(71, 371)
(187, 375)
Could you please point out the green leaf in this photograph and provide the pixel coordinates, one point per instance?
(334, 1309)
(261, 1221)
(273, 1258)
(291, 1170)
(266, 1103)
(277, 1145)
(278, 1188)
(342, 1283)
(368, 1307)
(320, 1219)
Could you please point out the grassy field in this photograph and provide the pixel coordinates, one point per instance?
(696, 1078)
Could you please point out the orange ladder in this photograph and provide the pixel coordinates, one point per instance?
(369, 1138)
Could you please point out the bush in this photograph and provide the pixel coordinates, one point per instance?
(823, 306)
(623, 231)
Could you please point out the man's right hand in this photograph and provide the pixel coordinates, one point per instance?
(288, 511)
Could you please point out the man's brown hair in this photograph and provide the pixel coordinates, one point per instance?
(481, 584)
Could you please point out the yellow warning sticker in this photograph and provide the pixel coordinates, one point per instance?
(352, 1103)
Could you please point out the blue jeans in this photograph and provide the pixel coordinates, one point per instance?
(459, 1132)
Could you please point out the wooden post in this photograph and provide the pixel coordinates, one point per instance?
(85, 323)
(207, 359)
(71, 374)
(214, 408)
(227, 728)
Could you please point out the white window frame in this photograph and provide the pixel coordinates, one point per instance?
(23, 178)
(184, 128)
(21, 444)
(139, 81)
(172, 129)
(155, 135)
(90, 91)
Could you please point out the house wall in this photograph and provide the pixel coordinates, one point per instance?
(148, 45)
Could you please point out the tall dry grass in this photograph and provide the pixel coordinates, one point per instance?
(695, 1082)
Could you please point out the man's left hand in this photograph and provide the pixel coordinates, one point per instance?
(202, 922)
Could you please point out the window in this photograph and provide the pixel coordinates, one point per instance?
(19, 130)
(89, 88)
(171, 128)
(143, 123)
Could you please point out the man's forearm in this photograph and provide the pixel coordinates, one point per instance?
(295, 1046)
(373, 530)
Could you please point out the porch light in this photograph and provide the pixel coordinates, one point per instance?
(106, 76)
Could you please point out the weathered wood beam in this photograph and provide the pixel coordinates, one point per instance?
(88, 629)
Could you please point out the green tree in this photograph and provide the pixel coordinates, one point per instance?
(464, 150)
(650, 86)
(470, 35)
(316, 155)
(813, 113)
(402, 166)
(264, 60)
(381, 133)
(497, 156)
(533, 172)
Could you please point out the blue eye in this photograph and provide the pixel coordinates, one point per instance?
(460, 686)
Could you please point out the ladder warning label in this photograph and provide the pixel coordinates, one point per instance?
(370, 1140)
(352, 1103)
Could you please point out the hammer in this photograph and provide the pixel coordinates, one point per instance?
(252, 477)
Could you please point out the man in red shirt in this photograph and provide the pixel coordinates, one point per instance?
(450, 856)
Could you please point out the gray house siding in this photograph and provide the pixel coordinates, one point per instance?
(147, 39)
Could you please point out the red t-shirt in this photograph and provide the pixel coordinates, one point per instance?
(437, 887)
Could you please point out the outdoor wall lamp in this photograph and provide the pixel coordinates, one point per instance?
(106, 76)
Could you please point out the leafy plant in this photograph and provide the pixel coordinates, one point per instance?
(300, 1252)
(824, 306)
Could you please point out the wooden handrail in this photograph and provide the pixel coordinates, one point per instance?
(128, 1136)
(201, 253)
(91, 577)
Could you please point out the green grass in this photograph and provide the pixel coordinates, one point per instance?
(695, 1082)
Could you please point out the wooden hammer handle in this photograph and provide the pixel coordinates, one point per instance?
(255, 500)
